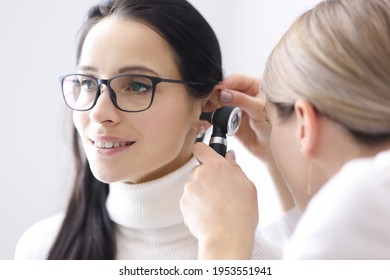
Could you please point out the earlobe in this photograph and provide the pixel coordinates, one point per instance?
(308, 126)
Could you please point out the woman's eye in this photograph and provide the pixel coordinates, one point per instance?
(139, 87)
(88, 85)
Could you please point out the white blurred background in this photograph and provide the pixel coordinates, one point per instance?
(37, 44)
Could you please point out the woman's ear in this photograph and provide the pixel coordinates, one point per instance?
(308, 122)
(211, 102)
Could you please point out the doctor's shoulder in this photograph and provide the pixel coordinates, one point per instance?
(36, 241)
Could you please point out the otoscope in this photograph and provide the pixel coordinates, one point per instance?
(225, 120)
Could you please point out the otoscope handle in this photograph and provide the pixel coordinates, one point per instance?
(218, 141)
(219, 148)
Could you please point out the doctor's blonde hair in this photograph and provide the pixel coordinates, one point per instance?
(337, 57)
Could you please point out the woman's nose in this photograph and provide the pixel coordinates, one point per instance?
(104, 110)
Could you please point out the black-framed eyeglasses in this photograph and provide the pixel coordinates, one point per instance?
(128, 92)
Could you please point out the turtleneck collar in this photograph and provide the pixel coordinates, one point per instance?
(149, 205)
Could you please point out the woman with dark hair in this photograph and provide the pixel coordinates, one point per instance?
(146, 70)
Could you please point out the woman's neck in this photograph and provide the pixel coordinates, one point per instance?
(151, 204)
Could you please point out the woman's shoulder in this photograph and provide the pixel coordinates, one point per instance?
(37, 240)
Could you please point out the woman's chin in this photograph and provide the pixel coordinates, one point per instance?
(106, 177)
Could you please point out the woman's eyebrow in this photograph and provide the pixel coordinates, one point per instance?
(87, 68)
(126, 69)
(137, 68)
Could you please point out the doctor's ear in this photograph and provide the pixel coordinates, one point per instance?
(308, 126)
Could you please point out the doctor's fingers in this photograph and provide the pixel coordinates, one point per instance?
(251, 105)
(244, 83)
(206, 155)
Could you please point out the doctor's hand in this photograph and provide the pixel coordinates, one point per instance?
(254, 132)
(219, 206)
(244, 92)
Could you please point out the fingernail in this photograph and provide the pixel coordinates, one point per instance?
(232, 154)
(225, 96)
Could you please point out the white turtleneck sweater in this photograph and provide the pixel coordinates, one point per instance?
(148, 223)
